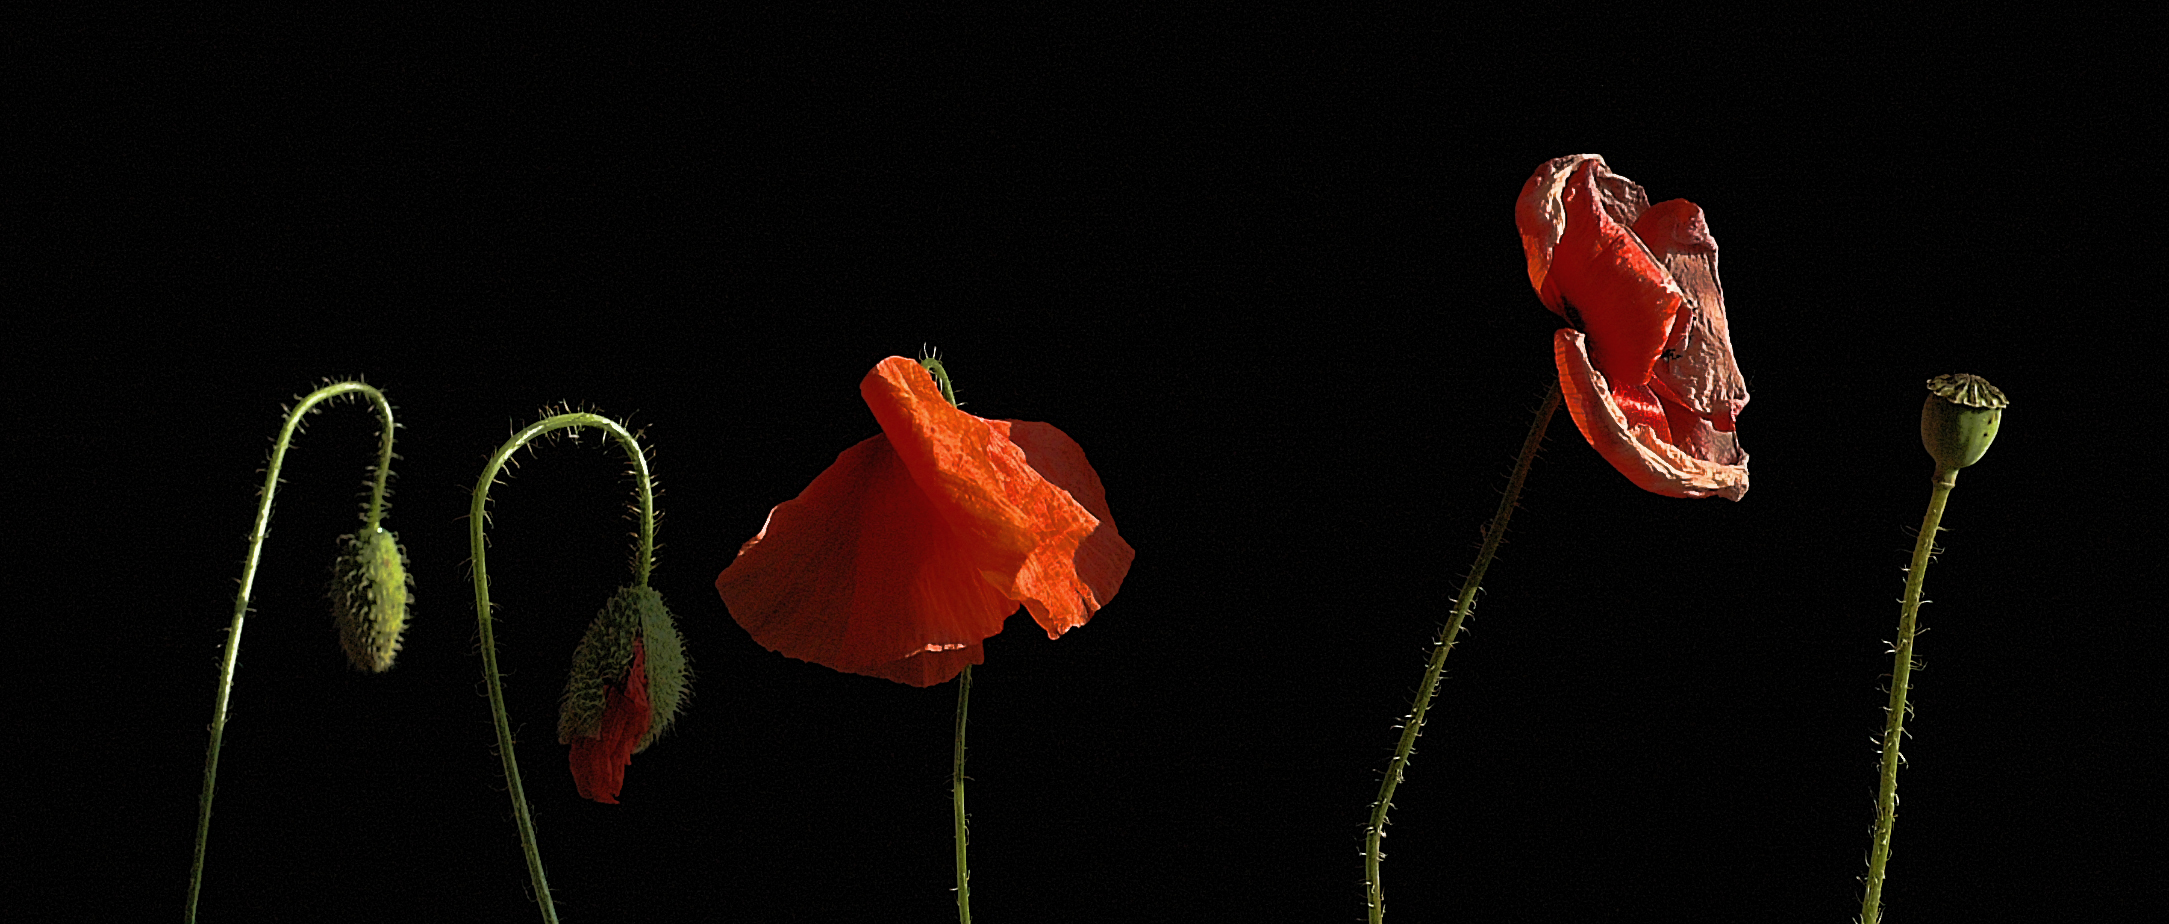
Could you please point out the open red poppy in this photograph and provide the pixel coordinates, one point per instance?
(1646, 369)
(918, 543)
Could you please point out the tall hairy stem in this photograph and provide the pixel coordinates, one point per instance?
(956, 793)
(231, 660)
(1901, 675)
(643, 562)
(1375, 831)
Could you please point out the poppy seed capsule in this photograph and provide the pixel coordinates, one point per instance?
(1960, 419)
(370, 590)
(605, 658)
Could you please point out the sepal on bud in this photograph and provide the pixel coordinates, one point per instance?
(1960, 419)
(370, 590)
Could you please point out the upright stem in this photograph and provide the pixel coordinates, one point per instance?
(1886, 796)
(1375, 895)
(963, 706)
(956, 789)
(643, 560)
(228, 664)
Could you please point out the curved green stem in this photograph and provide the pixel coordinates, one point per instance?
(1886, 796)
(643, 561)
(956, 786)
(230, 661)
(1374, 888)
(374, 515)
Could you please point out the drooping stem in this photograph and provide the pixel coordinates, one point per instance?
(231, 659)
(374, 514)
(956, 786)
(643, 561)
(1886, 795)
(1375, 895)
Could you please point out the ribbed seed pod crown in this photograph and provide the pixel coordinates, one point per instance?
(1960, 419)
(605, 656)
(370, 590)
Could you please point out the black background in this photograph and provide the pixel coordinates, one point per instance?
(1266, 273)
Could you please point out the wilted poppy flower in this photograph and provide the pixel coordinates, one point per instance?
(918, 543)
(1646, 369)
(628, 683)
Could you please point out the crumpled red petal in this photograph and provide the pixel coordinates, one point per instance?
(1540, 214)
(1654, 377)
(598, 763)
(1637, 450)
(917, 544)
(1626, 301)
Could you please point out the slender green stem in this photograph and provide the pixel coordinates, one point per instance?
(1375, 895)
(643, 561)
(956, 789)
(231, 660)
(963, 706)
(1886, 796)
(375, 513)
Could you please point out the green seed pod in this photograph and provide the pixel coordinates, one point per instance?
(370, 590)
(605, 656)
(1960, 419)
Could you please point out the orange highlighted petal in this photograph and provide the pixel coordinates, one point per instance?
(1103, 559)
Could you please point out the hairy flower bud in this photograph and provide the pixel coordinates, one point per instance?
(1960, 419)
(370, 590)
(605, 659)
(628, 684)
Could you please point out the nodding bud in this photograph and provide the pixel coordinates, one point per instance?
(1960, 419)
(370, 590)
(627, 686)
(605, 659)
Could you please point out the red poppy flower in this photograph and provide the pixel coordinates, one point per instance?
(918, 543)
(599, 762)
(1646, 369)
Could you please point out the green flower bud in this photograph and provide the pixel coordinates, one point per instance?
(370, 590)
(1960, 419)
(605, 657)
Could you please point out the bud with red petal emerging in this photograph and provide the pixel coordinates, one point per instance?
(628, 684)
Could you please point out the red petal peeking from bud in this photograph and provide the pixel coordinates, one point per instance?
(918, 543)
(598, 763)
(1647, 370)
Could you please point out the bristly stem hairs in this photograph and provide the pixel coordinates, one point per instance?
(390, 577)
(1958, 422)
(643, 562)
(1411, 727)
